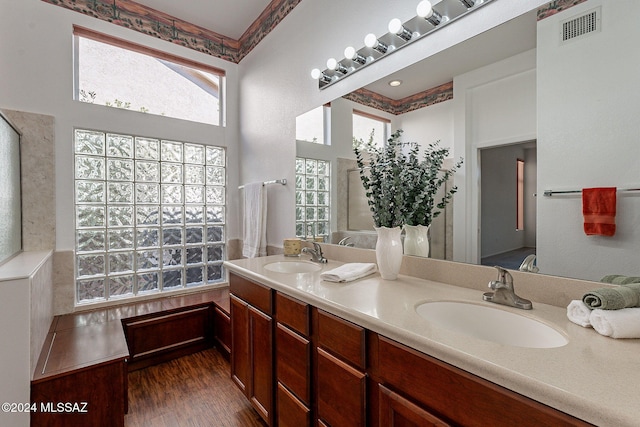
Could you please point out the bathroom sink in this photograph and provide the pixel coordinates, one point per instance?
(292, 267)
(491, 324)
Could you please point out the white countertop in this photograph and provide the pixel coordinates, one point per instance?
(594, 378)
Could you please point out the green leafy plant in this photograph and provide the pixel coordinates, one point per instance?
(401, 188)
(380, 173)
(423, 179)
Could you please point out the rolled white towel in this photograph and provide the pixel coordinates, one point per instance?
(623, 323)
(349, 272)
(578, 313)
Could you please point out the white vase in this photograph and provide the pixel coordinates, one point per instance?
(416, 240)
(389, 252)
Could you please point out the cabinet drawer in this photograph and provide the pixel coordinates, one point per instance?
(293, 362)
(292, 313)
(255, 294)
(291, 412)
(342, 338)
(341, 392)
(457, 395)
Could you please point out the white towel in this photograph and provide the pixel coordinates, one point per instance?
(349, 272)
(578, 313)
(623, 323)
(255, 220)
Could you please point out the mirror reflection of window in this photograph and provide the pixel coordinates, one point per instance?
(368, 127)
(313, 125)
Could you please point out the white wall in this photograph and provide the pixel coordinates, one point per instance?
(428, 125)
(589, 138)
(275, 85)
(37, 76)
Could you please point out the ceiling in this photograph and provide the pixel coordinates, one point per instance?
(229, 18)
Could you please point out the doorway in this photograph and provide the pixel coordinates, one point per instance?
(508, 181)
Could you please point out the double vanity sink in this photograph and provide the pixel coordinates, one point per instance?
(537, 353)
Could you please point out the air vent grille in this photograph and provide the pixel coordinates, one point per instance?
(582, 25)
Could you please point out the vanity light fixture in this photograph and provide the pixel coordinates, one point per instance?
(425, 10)
(447, 12)
(316, 74)
(372, 42)
(351, 53)
(396, 27)
(334, 65)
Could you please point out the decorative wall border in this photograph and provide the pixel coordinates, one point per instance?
(146, 20)
(396, 107)
(556, 6)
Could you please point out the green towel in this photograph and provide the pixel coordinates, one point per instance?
(619, 279)
(622, 296)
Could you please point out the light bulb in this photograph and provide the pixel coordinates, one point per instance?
(315, 74)
(332, 64)
(370, 40)
(350, 52)
(395, 26)
(424, 9)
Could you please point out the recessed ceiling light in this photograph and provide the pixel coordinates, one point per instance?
(395, 83)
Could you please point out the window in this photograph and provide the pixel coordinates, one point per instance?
(367, 127)
(313, 126)
(149, 214)
(520, 194)
(121, 74)
(312, 198)
(11, 205)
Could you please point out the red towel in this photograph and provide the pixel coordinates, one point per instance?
(599, 211)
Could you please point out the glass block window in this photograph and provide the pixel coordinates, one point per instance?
(313, 206)
(149, 215)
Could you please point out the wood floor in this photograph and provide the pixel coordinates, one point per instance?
(193, 391)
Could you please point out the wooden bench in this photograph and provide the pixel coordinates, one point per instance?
(81, 375)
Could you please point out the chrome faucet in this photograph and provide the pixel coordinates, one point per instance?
(316, 253)
(504, 293)
(529, 264)
(345, 242)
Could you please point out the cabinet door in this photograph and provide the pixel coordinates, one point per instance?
(240, 354)
(262, 387)
(396, 411)
(341, 392)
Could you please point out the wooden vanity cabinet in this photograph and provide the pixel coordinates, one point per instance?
(252, 343)
(417, 390)
(293, 362)
(340, 376)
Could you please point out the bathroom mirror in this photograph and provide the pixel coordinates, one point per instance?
(521, 93)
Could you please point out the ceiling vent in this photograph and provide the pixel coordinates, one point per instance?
(582, 25)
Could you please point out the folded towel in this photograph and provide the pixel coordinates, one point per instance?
(599, 211)
(349, 272)
(255, 220)
(615, 298)
(579, 313)
(619, 279)
(623, 323)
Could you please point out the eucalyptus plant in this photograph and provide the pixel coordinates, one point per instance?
(381, 175)
(423, 178)
(401, 188)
